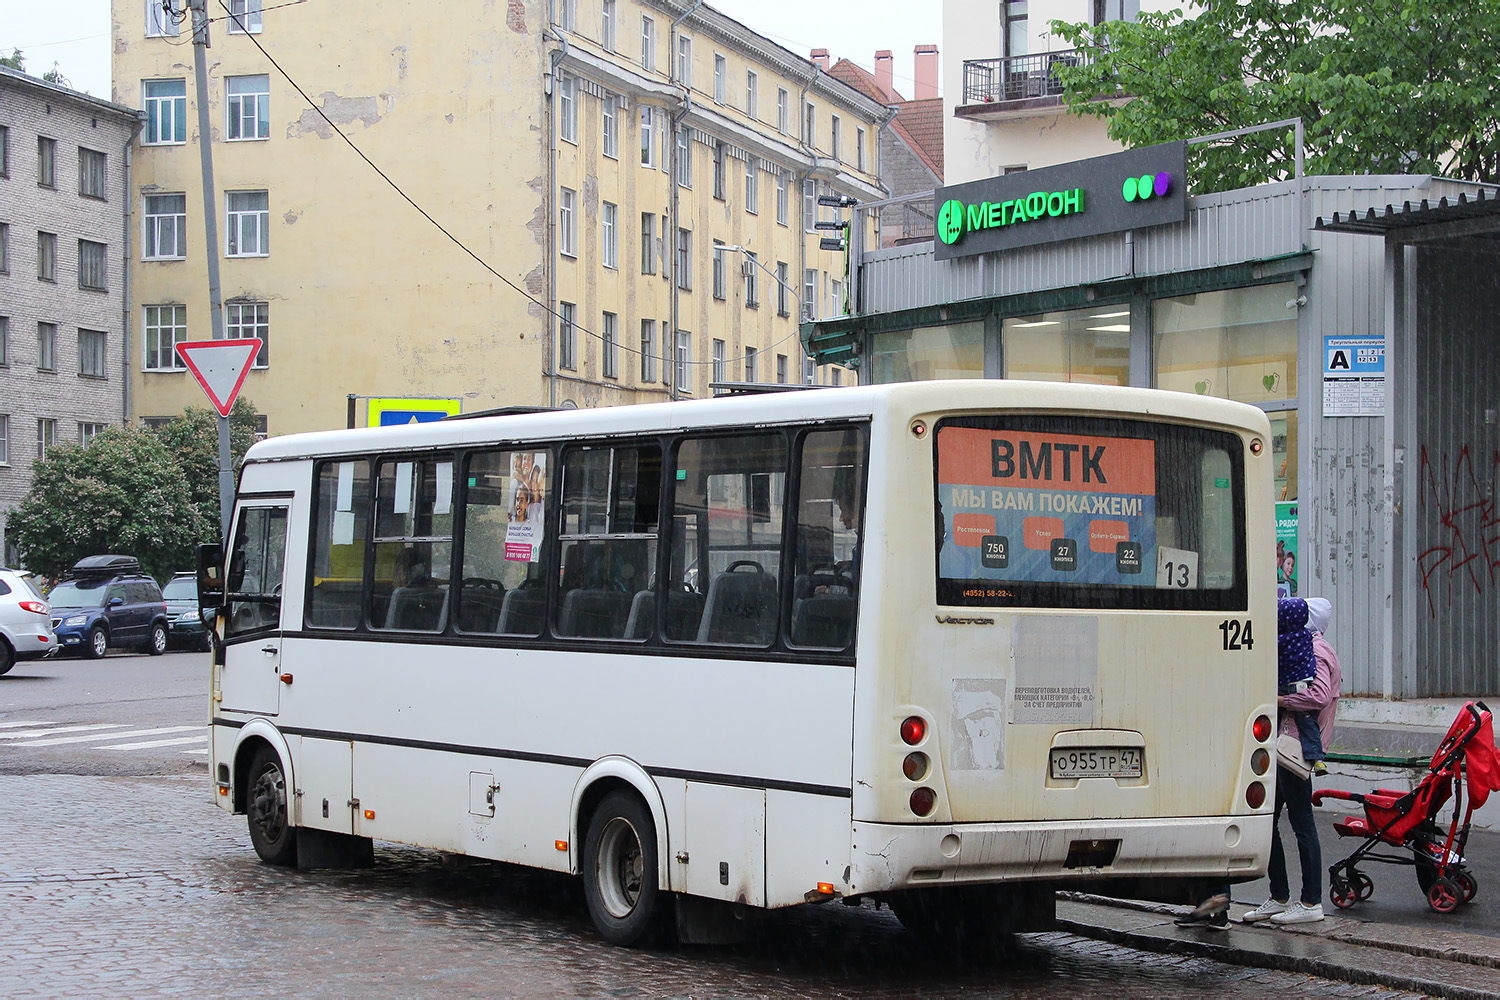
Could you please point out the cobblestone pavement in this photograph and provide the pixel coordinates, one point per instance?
(139, 886)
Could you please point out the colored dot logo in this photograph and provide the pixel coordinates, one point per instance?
(950, 221)
(1147, 186)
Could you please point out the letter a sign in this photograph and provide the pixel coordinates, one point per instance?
(220, 366)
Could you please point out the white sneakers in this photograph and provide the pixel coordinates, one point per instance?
(1285, 913)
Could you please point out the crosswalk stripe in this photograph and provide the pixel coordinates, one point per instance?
(202, 750)
(178, 741)
(60, 729)
(16, 725)
(108, 736)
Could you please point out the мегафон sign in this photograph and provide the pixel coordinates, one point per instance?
(1107, 194)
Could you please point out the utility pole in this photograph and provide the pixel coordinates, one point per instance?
(211, 239)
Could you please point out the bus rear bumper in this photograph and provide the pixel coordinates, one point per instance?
(889, 856)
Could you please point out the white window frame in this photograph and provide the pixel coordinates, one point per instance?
(4, 341)
(648, 350)
(607, 25)
(88, 430)
(720, 290)
(859, 149)
(721, 79)
(783, 182)
(782, 290)
(244, 320)
(164, 229)
(810, 125)
(610, 114)
(46, 347)
(783, 99)
(165, 113)
(648, 44)
(752, 280)
(254, 98)
(158, 320)
(245, 17)
(567, 14)
(809, 293)
(567, 232)
(247, 221)
(752, 93)
(685, 259)
(684, 157)
(609, 243)
(809, 205)
(648, 146)
(752, 367)
(46, 435)
(681, 357)
(4, 438)
(648, 243)
(752, 185)
(158, 24)
(609, 345)
(781, 368)
(93, 346)
(567, 108)
(721, 370)
(685, 61)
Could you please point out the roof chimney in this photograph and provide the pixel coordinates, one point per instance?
(884, 67)
(926, 59)
(820, 56)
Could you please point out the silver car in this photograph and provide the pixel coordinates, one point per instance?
(25, 620)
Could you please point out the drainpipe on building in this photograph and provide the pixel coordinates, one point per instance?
(674, 122)
(548, 367)
(802, 179)
(125, 346)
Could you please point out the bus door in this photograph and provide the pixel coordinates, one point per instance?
(250, 679)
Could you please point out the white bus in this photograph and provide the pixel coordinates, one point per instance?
(948, 645)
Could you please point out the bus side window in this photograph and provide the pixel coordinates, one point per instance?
(338, 559)
(830, 516)
(502, 588)
(413, 544)
(610, 510)
(256, 561)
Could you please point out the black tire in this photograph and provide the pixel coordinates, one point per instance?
(267, 810)
(7, 657)
(96, 644)
(620, 877)
(156, 642)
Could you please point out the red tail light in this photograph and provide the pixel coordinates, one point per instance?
(1261, 728)
(913, 730)
(1255, 795)
(922, 801)
(35, 607)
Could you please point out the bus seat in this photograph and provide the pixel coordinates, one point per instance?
(479, 610)
(521, 611)
(740, 609)
(594, 614)
(684, 612)
(642, 615)
(824, 581)
(826, 620)
(417, 609)
(335, 604)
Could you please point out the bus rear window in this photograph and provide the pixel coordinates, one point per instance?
(1081, 512)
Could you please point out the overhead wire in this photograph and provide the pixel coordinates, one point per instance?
(667, 357)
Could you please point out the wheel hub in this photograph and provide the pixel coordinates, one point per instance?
(622, 867)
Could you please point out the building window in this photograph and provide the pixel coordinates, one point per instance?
(721, 373)
(244, 17)
(166, 112)
(4, 151)
(4, 247)
(46, 256)
(165, 328)
(648, 243)
(4, 438)
(781, 369)
(859, 149)
(809, 372)
(782, 100)
(46, 162)
(752, 185)
(719, 156)
(809, 131)
(567, 336)
(836, 297)
(809, 293)
(166, 227)
(1015, 34)
(247, 107)
(648, 44)
(91, 173)
(721, 79)
(46, 347)
(684, 259)
(610, 345)
(607, 25)
(88, 431)
(611, 130)
(567, 242)
(91, 346)
(684, 158)
(244, 320)
(752, 98)
(834, 136)
(783, 181)
(836, 376)
(159, 23)
(4, 341)
(610, 237)
(684, 350)
(93, 273)
(567, 108)
(648, 148)
(648, 350)
(1085, 345)
(809, 205)
(752, 280)
(46, 436)
(567, 14)
(717, 267)
(781, 288)
(685, 61)
(249, 228)
(751, 369)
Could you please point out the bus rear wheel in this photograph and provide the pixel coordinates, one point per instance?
(620, 878)
(271, 829)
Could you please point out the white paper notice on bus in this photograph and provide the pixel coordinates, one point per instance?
(1176, 569)
(1056, 669)
(978, 724)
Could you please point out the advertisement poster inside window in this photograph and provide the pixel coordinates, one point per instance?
(1286, 549)
(525, 497)
(1037, 507)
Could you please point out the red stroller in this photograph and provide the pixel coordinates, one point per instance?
(1409, 820)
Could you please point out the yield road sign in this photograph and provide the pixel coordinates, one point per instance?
(220, 366)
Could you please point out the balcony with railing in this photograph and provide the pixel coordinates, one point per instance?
(1000, 88)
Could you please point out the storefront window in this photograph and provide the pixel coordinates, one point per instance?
(1284, 453)
(1239, 344)
(1088, 345)
(931, 352)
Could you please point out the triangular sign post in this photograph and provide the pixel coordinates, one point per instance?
(220, 366)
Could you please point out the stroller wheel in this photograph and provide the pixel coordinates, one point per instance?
(1445, 895)
(1364, 887)
(1343, 893)
(1467, 884)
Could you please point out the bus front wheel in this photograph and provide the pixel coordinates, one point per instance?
(620, 878)
(271, 829)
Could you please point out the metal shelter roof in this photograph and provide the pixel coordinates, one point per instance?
(1474, 221)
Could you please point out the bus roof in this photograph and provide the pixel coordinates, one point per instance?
(899, 398)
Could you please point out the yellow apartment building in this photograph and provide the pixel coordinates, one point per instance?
(559, 176)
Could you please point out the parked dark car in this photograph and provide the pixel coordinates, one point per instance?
(187, 630)
(106, 602)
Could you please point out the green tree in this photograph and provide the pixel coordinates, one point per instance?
(15, 61)
(126, 492)
(193, 439)
(1382, 86)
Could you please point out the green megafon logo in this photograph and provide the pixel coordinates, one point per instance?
(1147, 186)
(955, 218)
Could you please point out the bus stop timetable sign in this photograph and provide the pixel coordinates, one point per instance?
(220, 366)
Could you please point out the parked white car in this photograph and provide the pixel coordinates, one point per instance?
(25, 620)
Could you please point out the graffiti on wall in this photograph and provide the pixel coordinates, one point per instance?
(1459, 500)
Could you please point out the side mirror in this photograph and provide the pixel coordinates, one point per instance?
(210, 575)
(115, 602)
